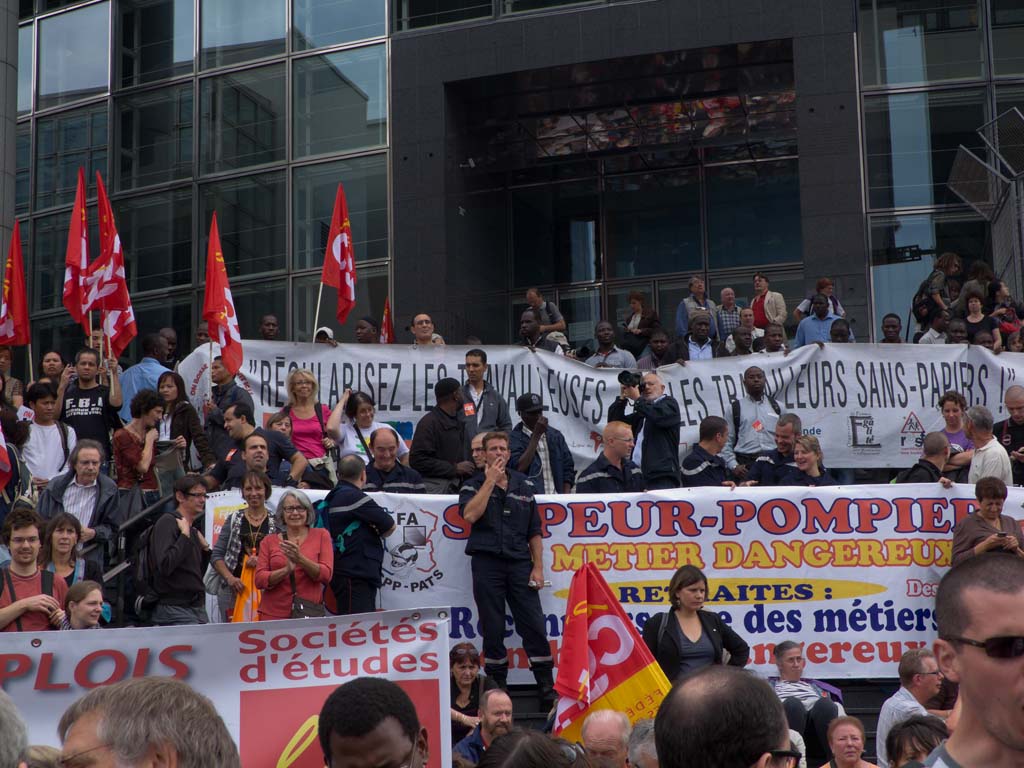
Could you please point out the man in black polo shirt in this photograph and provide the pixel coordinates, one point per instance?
(90, 408)
(507, 563)
(613, 472)
(180, 555)
(358, 527)
(385, 472)
(1010, 433)
(238, 419)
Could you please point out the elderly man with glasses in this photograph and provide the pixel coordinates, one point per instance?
(920, 679)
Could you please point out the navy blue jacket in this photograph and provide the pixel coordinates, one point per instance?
(562, 468)
(401, 479)
(700, 468)
(603, 477)
(659, 455)
(471, 747)
(774, 469)
(509, 521)
(802, 478)
(357, 525)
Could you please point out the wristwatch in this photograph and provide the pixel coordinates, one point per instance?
(291, 482)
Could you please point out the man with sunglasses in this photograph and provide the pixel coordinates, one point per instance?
(613, 472)
(979, 610)
(371, 721)
(920, 680)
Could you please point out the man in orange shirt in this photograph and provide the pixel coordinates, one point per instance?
(30, 598)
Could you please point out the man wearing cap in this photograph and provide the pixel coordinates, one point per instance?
(324, 335)
(440, 449)
(538, 450)
(507, 563)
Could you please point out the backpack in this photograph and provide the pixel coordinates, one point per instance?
(143, 573)
(923, 306)
(46, 579)
(736, 413)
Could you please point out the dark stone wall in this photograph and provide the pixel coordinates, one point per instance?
(445, 260)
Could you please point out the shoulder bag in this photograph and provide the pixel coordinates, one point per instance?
(301, 607)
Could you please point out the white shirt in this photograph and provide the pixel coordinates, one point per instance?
(350, 442)
(80, 500)
(931, 336)
(991, 460)
(899, 707)
(545, 462)
(44, 451)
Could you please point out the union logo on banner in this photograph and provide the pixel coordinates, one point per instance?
(604, 663)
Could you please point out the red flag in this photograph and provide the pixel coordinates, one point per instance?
(105, 277)
(340, 259)
(118, 315)
(14, 330)
(76, 259)
(387, 327)
(219, 307)
(603, 663)
(5, 462)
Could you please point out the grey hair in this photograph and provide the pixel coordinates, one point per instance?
(793, 420)
(13, 734)
(142, 712)
(80, 446)
(641, 742)
(300, 497)
(980, 418)
(607, 716)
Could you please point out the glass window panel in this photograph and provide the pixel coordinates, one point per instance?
(243, 119)
(73, 51)
(555, 234)
(582, 309)
(316, 23)
(155, 137)
(241, 30)
(912, 140)
(253, 301)
(25, 9)
(156, 231)
(653, 223)
(903, 250)
(1007, 37)
(413, 14)
(341, 101)
(910, 41)
(251, 214)
(753, 214)
(63, 143)
(619, 310)
(45, 261)
(171, 311)
(26, 56)
(58, 332)
(371, 290)
(366, 192)
(23, 156)
(155, 40)
(512, 6)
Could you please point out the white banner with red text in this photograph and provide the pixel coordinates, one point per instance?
(869, 404)
(267, 680)
(849, 571)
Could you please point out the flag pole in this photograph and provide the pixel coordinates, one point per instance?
(316, 316)
(31, 373)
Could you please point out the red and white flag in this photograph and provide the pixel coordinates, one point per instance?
(219, 307)
(76, 258)
(340, 259)
(14, 329)
(387, 325)
(105, 276)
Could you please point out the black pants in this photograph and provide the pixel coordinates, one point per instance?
(354, 595)
(812, 724)
(497, 580)
(661, 483)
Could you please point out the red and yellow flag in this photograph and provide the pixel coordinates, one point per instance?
(603, 662)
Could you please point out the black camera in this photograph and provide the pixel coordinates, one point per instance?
(631, 379)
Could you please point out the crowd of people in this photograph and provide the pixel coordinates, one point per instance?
(94, 446)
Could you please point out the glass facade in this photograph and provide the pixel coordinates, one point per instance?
(932, 74)
(190, 107)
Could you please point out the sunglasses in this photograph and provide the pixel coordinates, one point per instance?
(459, 654)
(995, 647)
(791, 756)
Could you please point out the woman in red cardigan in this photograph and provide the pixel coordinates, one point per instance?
(299, 550)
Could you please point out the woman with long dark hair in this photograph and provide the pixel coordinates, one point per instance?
(180, 423)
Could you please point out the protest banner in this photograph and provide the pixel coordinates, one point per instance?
(869, 404)
(267, 680)
(851, 571)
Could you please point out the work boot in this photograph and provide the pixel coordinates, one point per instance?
(500, 676)
(546, 695)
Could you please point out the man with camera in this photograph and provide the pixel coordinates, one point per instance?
(655, 423)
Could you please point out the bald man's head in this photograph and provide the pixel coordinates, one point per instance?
(618, 441)
(1015, 403)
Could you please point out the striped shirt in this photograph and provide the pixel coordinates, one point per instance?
(80, 500)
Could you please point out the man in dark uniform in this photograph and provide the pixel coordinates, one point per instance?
(386, 472)
(703, 466)
(778, 467)
(1010, 433)
(507, 563)
(612, 471)
(358, 527)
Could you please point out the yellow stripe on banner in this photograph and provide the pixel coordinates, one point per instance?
(638, 697)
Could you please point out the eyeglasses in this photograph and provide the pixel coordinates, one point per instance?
(995, 647)
(293, 509)
(200, 495)
(18, 540)
(72, 760)
(571, 752)
(936, 672)
(791, 756)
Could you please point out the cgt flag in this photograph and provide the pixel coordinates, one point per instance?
(219, 306)
(14, 330)
(604, 663)
(76, 259)
(340, 259)
(387, 326)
